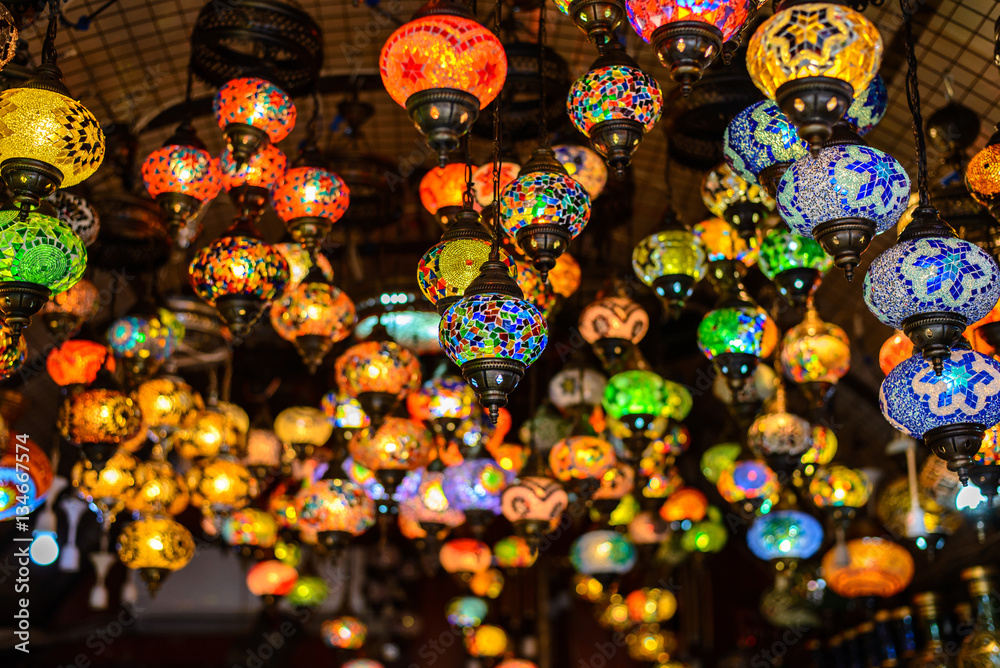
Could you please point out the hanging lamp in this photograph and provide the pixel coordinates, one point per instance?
(598, 19)
(252, 112)
(794, 263)
(741, 203)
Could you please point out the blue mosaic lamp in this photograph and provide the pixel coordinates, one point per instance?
(760, 143)
(843, 197)
(785, 534)
(869, 107)
(931, 284)
(950, 411)
(794, 263)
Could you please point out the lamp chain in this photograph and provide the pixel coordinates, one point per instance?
(495, 248)
(467, 197)
(49, 45)
(913, 99)
(543, 122)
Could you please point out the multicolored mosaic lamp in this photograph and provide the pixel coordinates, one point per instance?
(812, 58)
(686, 35)
(309, 199)
(844, 195)
(733, 338)
(816, 355)
(869, 107)
(873, 567)
(391, 448)
(156, 546)
(602, 554)
(931, 285)
(443, 67)
(42, 256)
(543, 209)
(336, 510)
(598, 19)
(635, 398)
(779, 437)
(313, 316)
(728, 195)
(671, 262)
(441, 191)
(949, 409)
(379, 373)
(760, 143)
(475, 487)
(794, 263)
(252, 113)
(145, 338)
(585, 166)
(750, 483)
(785, 535)
(615, 104)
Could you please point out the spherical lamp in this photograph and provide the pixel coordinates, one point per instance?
(785, 534)
(534, 505)
(749, 482)
(743, 204)
(982, 175)
(253, 179)
(252, 113)
(378, 374)
(392, 448)
(671, 262)
(336, 510)
(220, 484)
(794, 263)
(64, 313)
(304, 428)
(465, 556)
(344, 632)
(602, 554)
(760, 144)
(869, 107)
(581, 458)
(156, 547)
(98, 420)
(733, 337)
(816, 355)
(585, 166)
(442, 190)
(613, 325)
(840, 487)
(874, 567)
(309, 199)
(475, 487)
(313, 316)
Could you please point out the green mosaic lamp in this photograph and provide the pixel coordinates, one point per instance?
(41, 256)
(794, 264)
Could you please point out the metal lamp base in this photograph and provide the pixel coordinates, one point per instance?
(845, 239)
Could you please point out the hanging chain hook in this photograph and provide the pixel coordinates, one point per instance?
(913, 99)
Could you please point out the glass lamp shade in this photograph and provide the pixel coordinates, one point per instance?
(726, 194)
(482, 181)
(649, 16)
(17, 489)
(793, 262)
(747, 480)
(155, 546)
(428, 503)
(513, 552)
(721, 242)
(444, 398)
(840, 486)
(262, 170)
(77, 362)
(581, 458)
(204, 433)
(335, 505)
(8, 36)
(875, 567)
(982, 176)
(670, 262)
(344, 411)
(602, 553)
(310, 591)
(253, 112)
(687, 503)
(576, 386)
(450, 266)
(13, 351)
(220, 484)
(869, 106)
(465, 555)
(158, 489)
(637, 396)
(264, 451)
(779, 433)
(760, 142)
(585, 166)
(737, 329)
(896, 348)
(51, 128)
(442, 189)
(78, 213)
(651, 605)
(147, 336)
(99, 416)
(304, 195)
(543, 199)
(301, 261)
(110, 486)
(486, 641)
(64, 313)
(717, 459)
(183, 170)
(815, 351)
(617, 318)
(378, 366)
(616, 482)
(536, 290)
(822, 448)
(313, 315)
(271, 578)
(40, 250)
(534, 505)
(475, 485)
(397, 444)
(785, 534)
(344, 632)
(949, 411)
(303, 425)
(565, 276)
(466, 612)
(250, 526)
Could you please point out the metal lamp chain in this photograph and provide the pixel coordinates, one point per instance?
(467, 196)
(913, 99)
(543, 124)
(495, 248)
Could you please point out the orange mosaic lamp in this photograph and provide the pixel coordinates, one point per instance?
(871, 567)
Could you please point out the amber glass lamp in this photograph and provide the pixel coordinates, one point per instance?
(304, 428)
(220, 484)
(871, 567)
(613, 325)
(392, 448)
(379, 374)
(313, 315)
(156, 546)
(67, 311)
(98, 420)
(982, 175)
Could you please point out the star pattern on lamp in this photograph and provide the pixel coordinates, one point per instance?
(809, 29)
(946, 272)
(962, 389)
(412, 69)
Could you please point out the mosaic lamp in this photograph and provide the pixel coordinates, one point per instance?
(378, 374)
(465, 556)
(239, 274)
(443, 67)
(894, 350)
(49, 140)
(475, 487)
(156, 546)
(309, 199)
(534, 505)
(721, 241)
(842, 196)
(785, 535)
(182, 176)
(733, 338)
(743, 204)
(585, 166)
(65, 313)
(313, 316)
(482, 180)
(441, 191)
(145, 338)
(869, 107)
(598, 19)
(582, 458)
(449, 267)
(304, 428)
(812, 58)
(336, 510)
(445, 403)
(494, 334)
(874, 567)
(615, 104)
(779, 437)
(543, 209)
(576, 387)
(25, 484)
(671, 262)
(760, 143)
(931, 285)
(687, 36)
(613, 326)
(8, 36)
(392, 448)
(750, 483)
(816, 355)
(252, 113)
(344, 632)
(836, 487)
(949, 411)
(99, 419)
(794, 263)
(77, 362)
(42, 256)
(635, 398)
(220, 485)
(253, 180)
(602, 554)
(536, 290)
(982, 175)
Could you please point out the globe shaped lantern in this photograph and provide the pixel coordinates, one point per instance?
(77, 362)
(931, 285)
(310, 591)
(576, 388)
(145, 338)
(582, 459)
(896, 348)
(304, 428)
(602, 554)
(252, 113)
(950, 411)
(442, 190)
(816, 355)
(107, 487)
(749, 483)
(204, 433)
(543, 209)
(219, 485)
(635, 398)
(42, 256)
(466, 612)
(486, 641)
(820, 452)
(743, 204)
(443, 67)
(671, 262)
(734, 338)
(270, 579)
(428, 506)
(721, 241)
(535, 290)
(75, 211)
(840, 490)
(874, 567)
(156, 546)
(615, 104)
(265, 454)
(717, 459)
(251, 182)
(494, 334)
(651, 605)
(392, 448)
(65, 313)
(344, 633)
(158, 489)
(18, 490)
(869, 107)
(785, 535)
(336, 510)
(613, 325)
(565, 277)
(465, 556)
(309, 199)
(598, 19)
(98, 420)
(345, 414)
(687, 36)
(585, 166)
(794, 263)
(535, 506)
(182, 176)
(313, 316)
(812, 58)
(250, 528)
(475, 487)
(760, 144)
(378, 374)
(445, 403)
(779, 437)
(982, 175)
(843, 196)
